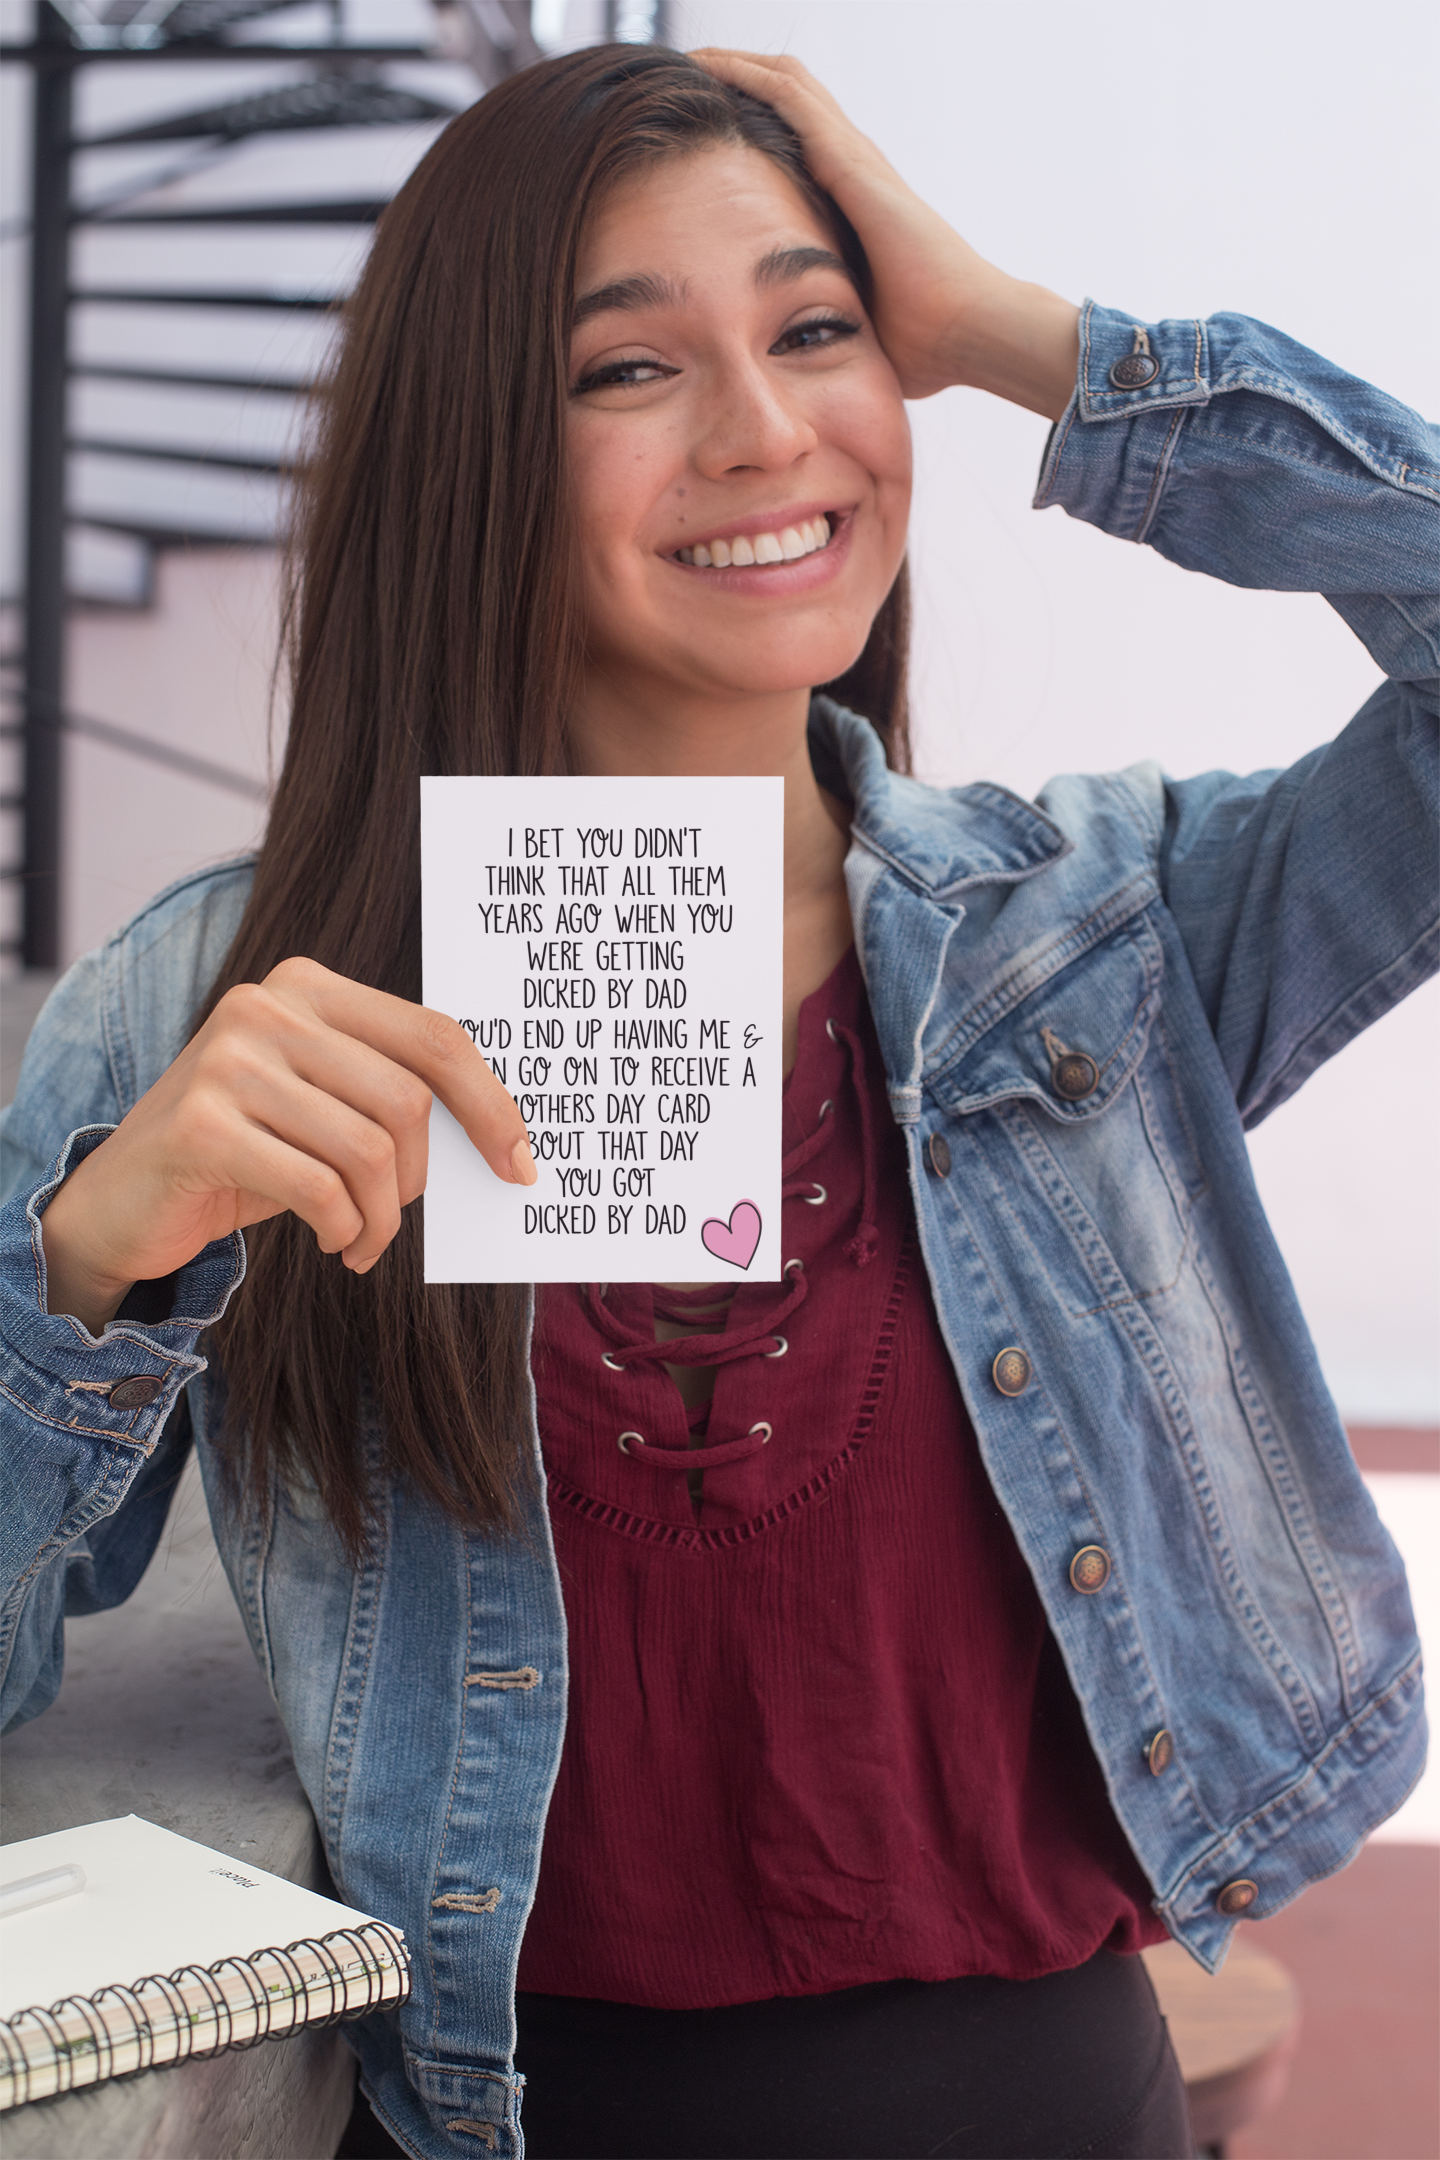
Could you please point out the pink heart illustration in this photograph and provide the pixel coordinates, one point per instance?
(736, 1240)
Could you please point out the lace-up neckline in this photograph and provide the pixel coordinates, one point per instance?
(745, 1333)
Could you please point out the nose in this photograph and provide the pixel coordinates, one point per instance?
(752, 423)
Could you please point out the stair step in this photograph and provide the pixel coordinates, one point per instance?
(176, 501)
(108, 568)
(323, 101)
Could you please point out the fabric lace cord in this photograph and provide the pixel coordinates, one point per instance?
(762, 1337)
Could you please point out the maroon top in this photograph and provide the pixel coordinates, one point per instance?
(820, 1733)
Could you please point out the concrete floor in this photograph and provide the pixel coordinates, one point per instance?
(1365, 1949)
(1365, 1946)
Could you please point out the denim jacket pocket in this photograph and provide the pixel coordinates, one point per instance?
(1076, 1075)
(1068, 1039)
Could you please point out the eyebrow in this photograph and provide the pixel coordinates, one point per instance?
(783, 265)
(644, 291)
(780, 267)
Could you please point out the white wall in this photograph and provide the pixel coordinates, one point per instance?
(1268, 160)
(193, 674)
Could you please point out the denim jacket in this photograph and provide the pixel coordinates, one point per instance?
(1174, 1469)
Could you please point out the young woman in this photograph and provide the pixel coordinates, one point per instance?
(1053, 1616)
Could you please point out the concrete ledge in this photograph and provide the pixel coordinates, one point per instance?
(163, 1713)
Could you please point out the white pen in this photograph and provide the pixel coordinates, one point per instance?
(31, 1890)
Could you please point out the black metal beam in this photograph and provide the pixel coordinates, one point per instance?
(222, 460)
(158, 537)
(180, 378)
(156, 753)
(117, 296)
(62, 58)
(45, 499)
(277, 213)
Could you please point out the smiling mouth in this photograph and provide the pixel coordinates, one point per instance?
(791, 543)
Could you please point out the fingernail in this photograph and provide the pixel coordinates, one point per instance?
(522, 1164)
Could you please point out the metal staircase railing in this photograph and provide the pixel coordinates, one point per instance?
(147, 430)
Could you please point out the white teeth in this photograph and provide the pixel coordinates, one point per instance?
(787, 545)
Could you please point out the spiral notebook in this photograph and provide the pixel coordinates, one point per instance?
(170, 1951)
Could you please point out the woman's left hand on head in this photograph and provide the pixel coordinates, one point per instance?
(943, 314)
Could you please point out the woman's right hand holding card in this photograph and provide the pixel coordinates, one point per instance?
(306, 1092)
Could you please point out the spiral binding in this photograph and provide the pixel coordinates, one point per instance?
(116, 2020)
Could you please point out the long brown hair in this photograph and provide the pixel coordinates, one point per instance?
(433, 627)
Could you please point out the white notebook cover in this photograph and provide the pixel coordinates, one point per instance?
(152, 1902)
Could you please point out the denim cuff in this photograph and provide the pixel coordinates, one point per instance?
(1113, 477)
(1273, 408)
(56, 1371)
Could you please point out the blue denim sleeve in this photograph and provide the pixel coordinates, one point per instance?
(1306, 899)
(94, 1426)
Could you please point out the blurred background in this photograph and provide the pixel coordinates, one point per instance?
(190, 186)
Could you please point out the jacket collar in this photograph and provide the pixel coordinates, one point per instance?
(941, 841)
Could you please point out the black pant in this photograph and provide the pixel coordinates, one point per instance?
(1078, 2063)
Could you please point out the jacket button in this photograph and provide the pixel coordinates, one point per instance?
(1090, 1570)
(1160, 1753)
(133, 1394)
(1074, 1076)
(1011, 1372)
(939, 1153)
(1237, 1897)
(1134, 371)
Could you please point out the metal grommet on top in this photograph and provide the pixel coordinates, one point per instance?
(1237, 1896)
(1160, 1753)
(1090, 1570)
(637, 1437)
(830, 1031)
(938, 1150)
(827, 1106)
(792, 1264)
(817, 1198)
(761, 1427)
(781, 1346)
(1011, 1371)
(615, 1364)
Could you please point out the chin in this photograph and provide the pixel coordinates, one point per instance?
(773, 672)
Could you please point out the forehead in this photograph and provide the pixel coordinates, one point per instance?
(726, 207)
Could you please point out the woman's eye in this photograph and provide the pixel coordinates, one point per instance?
(624, 375)
(814, 335)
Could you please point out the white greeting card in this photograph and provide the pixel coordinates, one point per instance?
(613, 948)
